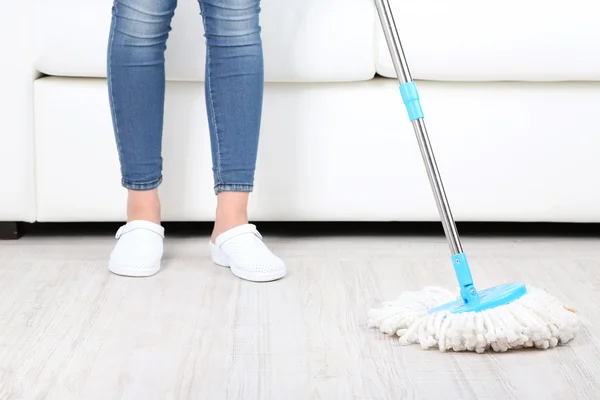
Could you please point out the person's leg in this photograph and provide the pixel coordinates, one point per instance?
(234, 95)
(136, 83)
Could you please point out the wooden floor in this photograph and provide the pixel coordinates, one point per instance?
(71, 330)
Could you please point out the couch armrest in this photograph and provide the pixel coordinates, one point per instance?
(17, 150)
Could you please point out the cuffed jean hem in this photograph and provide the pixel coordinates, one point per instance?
(141, 186)
(233, 188)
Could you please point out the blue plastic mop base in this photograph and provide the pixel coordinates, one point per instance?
(488, 298)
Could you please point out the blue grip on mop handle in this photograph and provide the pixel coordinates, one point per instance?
(465, 280)
(410, 96)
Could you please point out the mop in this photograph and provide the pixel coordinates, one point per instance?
(501, 318)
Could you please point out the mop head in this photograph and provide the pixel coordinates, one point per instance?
(535, 320)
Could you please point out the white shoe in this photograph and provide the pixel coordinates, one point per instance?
(243, 250)
(139, 249)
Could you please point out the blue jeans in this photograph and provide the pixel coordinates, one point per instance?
(234, 84)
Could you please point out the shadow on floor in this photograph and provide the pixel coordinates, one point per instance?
(303, 229)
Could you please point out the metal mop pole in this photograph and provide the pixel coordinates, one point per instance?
(411, 100)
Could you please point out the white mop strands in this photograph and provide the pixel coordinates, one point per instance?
(535, 320)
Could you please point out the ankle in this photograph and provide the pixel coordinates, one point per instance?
(232, 211)
(227, 222)
(143, 205)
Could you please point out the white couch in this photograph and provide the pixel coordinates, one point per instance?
(510, 90)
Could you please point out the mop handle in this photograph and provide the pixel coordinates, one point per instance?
(410, 97)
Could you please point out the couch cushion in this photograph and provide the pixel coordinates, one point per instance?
(473, 40)
(332, 152)
(304, 40)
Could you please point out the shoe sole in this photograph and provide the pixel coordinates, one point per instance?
(221, 259)
(134, 272)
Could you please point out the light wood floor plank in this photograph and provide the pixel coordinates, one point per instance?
(70, 330)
